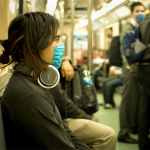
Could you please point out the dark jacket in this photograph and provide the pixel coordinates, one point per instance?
(65, 105)
(32, 120)
(144, 30)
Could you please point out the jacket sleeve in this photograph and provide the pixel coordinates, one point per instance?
(66, 105)
(126, 29)
(36, 118)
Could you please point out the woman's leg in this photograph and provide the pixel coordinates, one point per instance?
(95, 135)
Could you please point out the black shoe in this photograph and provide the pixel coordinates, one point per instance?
(134, 131)
(127, 139)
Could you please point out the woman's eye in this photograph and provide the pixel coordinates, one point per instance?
(57, 39)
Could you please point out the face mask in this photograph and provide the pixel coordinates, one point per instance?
(58, 53)
(140, 17)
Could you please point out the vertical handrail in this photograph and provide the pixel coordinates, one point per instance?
(89, 36)
(72, 28)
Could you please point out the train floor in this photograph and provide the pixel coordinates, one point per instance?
(110, 117)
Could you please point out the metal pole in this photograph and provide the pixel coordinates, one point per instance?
(61, 5)
(72, 28)
(76, 3)
(89, 36)
(24, 6)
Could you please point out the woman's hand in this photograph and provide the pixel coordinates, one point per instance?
(67, 70)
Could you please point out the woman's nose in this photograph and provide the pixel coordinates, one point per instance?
(61, 42)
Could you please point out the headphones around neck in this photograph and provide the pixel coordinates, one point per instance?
(47, 79)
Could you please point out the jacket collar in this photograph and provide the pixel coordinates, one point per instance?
(133, 22)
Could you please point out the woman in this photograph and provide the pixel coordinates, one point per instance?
(31, 119)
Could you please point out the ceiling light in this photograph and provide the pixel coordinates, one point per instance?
(57, 14)
(106, 8)
(122, 11)
(61, 5)
(103, 11)
(83, 23)
(12, 6)
(51, 6)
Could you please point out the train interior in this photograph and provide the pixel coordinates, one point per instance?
(85, 45)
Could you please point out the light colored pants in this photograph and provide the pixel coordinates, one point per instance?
(93, 134)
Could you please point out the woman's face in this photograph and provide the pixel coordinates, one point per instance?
(48, 53)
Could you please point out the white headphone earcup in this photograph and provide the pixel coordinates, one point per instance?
(49, 78)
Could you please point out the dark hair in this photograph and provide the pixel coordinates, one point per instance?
(133, 5)
(29, 34)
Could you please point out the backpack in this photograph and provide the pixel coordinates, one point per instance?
(115, 58)
(82, 91)
(133, 48)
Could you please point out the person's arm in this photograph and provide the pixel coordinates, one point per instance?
(65, 104)
(126, 29)
(67, 70)
(113, 70)
(39, 120)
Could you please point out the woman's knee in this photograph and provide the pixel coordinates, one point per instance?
(111, 135)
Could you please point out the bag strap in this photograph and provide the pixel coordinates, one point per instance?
(136, 34)
(76, 68)
(133, 27)
(67, 87)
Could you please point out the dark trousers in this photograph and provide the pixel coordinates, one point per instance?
(108, 87)
(144, 107)
(128, 116)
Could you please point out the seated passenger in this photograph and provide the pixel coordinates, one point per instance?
(31, 118)
(108, 86)
(86, 127)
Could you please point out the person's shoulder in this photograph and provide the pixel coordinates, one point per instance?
(144, 24)
(22, 86)
(128, 27)
(20, 81)
(22, 90)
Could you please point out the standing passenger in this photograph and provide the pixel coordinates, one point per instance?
(129, 104)
(144, 79)
(31, 118)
